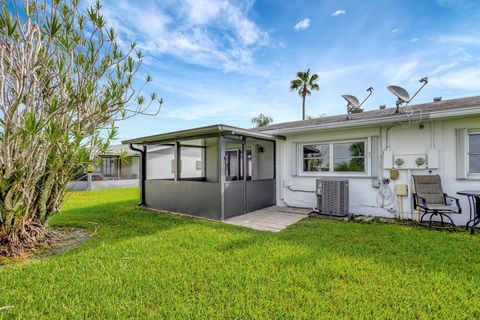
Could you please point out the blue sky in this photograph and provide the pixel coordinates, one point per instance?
(225, 61)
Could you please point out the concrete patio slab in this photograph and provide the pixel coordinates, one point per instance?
(272, 219)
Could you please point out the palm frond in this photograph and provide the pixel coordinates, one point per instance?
(295, 84)
(313, 78)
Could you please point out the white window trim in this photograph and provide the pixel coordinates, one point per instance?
(470, 175)
(332, 173)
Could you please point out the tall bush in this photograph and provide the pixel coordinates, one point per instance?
(65, 79)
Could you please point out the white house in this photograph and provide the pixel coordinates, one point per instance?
(444, 133)
(441, 137)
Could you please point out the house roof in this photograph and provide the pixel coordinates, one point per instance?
(118, 149)
(201, 132)
(438, 109)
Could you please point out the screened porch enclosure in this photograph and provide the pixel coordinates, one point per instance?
(217, 173)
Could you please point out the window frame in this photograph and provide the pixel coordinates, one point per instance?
(331, 158)
(469, 133)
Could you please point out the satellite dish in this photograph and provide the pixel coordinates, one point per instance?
(354, 105)
(352, 101)
(401, 93)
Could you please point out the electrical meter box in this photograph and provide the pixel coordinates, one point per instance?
(410, 161)
(401, 189)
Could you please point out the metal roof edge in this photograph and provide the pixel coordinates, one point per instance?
(195, 132)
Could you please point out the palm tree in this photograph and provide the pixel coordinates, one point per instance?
(305, 83)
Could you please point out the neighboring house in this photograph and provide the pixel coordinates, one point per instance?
(283, 161)
(118, 163)
(119, 167)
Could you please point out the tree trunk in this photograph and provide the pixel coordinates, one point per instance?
(303, 107)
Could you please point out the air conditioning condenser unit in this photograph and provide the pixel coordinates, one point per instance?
(332, 196)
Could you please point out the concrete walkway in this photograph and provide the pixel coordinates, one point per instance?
(272, 219)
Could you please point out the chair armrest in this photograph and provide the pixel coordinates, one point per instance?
(457, 202)
(421, 202)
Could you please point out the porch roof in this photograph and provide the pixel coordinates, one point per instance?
(202, 132)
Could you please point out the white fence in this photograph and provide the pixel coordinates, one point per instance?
(99, 185)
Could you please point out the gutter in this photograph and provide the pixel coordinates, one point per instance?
(455, 113)
(143, 174)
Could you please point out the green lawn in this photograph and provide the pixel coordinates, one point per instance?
(143, 264)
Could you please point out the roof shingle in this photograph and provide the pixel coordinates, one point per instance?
(424, 108)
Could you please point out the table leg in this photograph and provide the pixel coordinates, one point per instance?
(472, 229)
(476, 205)
(471, 207)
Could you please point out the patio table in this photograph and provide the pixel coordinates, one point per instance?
(474, 203)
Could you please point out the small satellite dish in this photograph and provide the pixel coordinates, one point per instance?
(352, 101)
(402, 94)
(353, 104)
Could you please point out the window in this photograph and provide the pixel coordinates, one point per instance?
(334, 157)
(474, 152)
(316, 158)
(108, 166)
(349, 157)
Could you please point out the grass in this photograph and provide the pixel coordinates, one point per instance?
(143, 264)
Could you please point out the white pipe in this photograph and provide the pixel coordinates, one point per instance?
(409, 193)
(432, 135)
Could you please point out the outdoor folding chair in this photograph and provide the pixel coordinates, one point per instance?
(430, 199)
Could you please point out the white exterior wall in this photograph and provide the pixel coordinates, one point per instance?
(406, 139)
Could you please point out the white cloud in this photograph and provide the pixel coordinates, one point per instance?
(397, 73)
(449, 3)
(461, 39)
(212, 33)
(443, 67)
(345, 71)
(465, 79)
(302, 25)
(339, 13)
(414, 39)
(395, 30)
(228, 104)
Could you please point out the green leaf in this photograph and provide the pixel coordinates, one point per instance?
(32, 124)
(52, 26)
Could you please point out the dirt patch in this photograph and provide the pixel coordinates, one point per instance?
(57, 240)
(64, 239)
